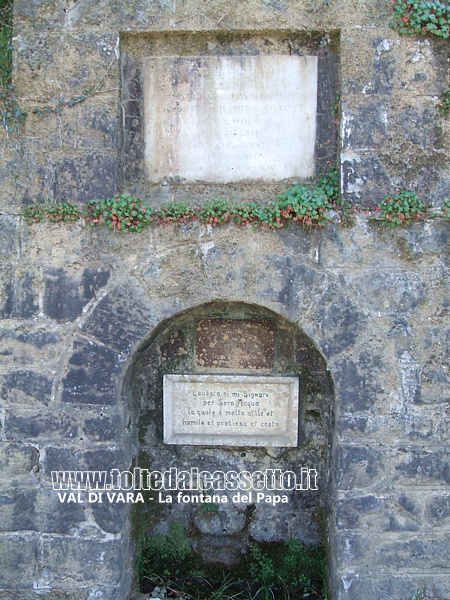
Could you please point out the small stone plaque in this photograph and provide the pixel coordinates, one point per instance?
(230, 410)
(230, 118)
(235, 344)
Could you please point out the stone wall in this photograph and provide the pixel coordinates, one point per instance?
(374, 304)
(83, 310)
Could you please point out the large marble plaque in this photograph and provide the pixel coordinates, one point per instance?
(230, 118)
(230, 410)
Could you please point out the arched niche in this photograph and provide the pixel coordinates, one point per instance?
(239, 339)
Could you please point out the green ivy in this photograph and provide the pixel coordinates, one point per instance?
(421, 18)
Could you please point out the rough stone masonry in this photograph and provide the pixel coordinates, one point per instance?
(92, 320)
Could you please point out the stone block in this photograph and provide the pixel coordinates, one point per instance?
(391, 586)
(435, 373)
(365, 176)
(39, 339)
(21, 552)
(111, 517)
(18, 460)
(26, 387)
(66, 294)
(91, 378)
(79, 178)
(438, 509)
(341, 320)
(376, 514)
(39, 510)
(18, 291)
(122, 318)
(422, 466)
(361, 379)
(360, 467)
(415, 553)
(413, 426)
(99, 458)
(235, 343)
(366, 126)
(8, 237)
(78, 559)
(102, 428)
(30, 425)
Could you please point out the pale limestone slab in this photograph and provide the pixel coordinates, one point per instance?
(230, 410)
(230, 118)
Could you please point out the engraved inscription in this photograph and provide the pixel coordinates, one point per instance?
(230, 410)
(224, 118)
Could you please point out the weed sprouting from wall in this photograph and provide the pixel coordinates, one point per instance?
(283, 570)
(6, 30)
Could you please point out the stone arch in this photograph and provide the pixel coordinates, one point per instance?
(223, 536)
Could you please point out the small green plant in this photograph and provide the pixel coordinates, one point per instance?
(215, 212)
(163, 555)
(34, 213)
(421, 17)
(400, 209)
(292, 564)
(444, 103)
(63, 212)
(123, 213)
(11, 115)
(306, 205)
(446, 208)
(176, 212)
(6, 32)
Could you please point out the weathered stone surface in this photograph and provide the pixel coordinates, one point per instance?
(427, 466)
(65, 295)
(40, 511)
(26, 387)
(18, 550)
(438, 509)
(18, 293)
(69, 554)
(360, 467)
(90, 379)
(252, 344)
(110, 517)
(8, 237)
(30, 425)
(354, 586)
(18, 460)
(110, 322)
(102, 428)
